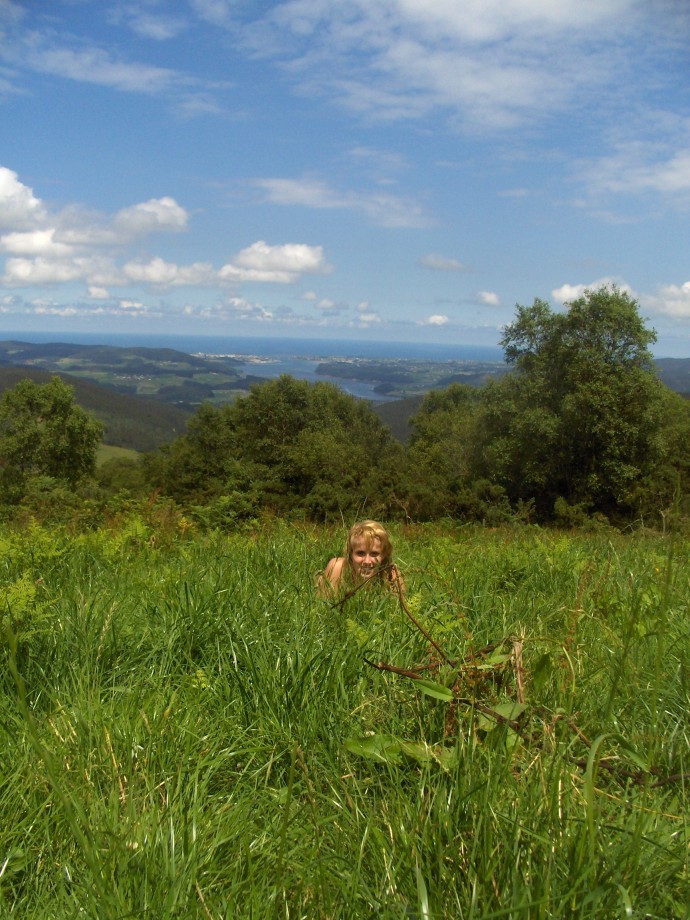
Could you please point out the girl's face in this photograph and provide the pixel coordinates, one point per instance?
(365, 556)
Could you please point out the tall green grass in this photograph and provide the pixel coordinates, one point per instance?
(187, 730)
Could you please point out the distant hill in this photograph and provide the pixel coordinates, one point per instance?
(133, 422)
(183, 380)
(675, 373)
(396, 415)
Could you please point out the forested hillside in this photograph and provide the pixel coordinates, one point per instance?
(133, 422)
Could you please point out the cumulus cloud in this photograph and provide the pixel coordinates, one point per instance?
(282, 264)
(436, 319)
(672, 300)
(34, 243)
(75, 245)
(160, 273)
(57, 247)
(489, 299)
(19, 207)
(568, 292)
(150, 216)
(40, 270)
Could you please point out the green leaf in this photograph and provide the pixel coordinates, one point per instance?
(384, 748)
(542, 671)
(510, 710)
(437, 691)
(493, 661)
(422, 894)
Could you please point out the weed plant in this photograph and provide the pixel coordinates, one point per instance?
(188, 730)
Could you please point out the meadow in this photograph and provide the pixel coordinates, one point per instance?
(188, 730)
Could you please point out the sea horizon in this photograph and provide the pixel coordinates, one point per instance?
(266, 346)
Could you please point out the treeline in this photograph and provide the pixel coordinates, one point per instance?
(580, 431)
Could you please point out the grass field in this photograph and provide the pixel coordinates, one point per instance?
(109, 452)
(189, 731)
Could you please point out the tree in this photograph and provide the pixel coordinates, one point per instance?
(44, 434)
(580, 417)
(439, 451)
(288, 446)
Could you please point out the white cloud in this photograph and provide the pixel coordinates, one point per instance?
(19, 207)
(61, 54)
(89, 64)
(159, 27)
(238, 308)
(34, 242)
(41, 271)
(160, 273)
(492, 63)
(439, 263)
(640, 167)
(150, 216)
(74, 245)
(673, 300)
(381, 209)
(292, 257)
(10, 11)
(52, 310)
(217, 12)
(568, 292)
(281, 264)
(489, 298)
(366, 316)
(368, 319)
(436, 319)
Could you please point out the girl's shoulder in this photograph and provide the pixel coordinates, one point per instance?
(331, 576)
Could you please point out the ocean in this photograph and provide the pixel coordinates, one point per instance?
(244, 345)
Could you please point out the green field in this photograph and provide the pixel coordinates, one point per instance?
(108, 452)
(189, 731)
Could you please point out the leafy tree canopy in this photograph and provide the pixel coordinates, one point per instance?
(287, 445)
(580, 416)
(44, 434)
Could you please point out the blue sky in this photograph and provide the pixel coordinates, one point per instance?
(374, 169)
